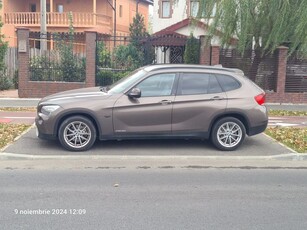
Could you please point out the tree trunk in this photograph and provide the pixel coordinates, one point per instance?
(253, 70)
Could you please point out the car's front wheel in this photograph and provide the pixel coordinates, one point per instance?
(77, 133)
(228, 133)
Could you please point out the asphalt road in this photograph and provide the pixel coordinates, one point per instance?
(258, 145)
(153, 199)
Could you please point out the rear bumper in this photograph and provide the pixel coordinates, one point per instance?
(257, 129)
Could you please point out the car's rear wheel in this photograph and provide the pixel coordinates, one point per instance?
(228, 133)
(77, 133)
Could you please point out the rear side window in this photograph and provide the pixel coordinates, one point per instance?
(228, 83)
(197, 83)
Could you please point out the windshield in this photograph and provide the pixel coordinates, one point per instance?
(121, 85)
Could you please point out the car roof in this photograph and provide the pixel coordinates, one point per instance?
(189, 66)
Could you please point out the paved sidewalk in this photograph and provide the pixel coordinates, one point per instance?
(18, 102)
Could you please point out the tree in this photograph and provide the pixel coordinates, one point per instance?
(261, 24)
(140, 40)
(72, 67)
(127, 57)
(191, 53)
(137, 30)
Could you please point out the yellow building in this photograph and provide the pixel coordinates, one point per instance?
(93, 15)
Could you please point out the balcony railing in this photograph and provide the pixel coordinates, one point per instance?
(57, 19)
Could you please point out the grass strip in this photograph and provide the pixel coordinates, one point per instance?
(281, 113)
(295, 138)
(8, 132)
(18, 109)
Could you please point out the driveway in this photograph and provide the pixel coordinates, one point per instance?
(259, 145)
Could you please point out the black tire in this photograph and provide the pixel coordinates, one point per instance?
(77, 133)
(228, 139)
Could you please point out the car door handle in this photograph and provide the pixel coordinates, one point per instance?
(216, 98)
(165, 102)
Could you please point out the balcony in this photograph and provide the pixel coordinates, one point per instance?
(83, 20)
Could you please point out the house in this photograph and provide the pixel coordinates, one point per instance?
(177, 20)
(93, 15)
(168, 13)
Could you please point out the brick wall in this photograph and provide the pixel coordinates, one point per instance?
(204, 55)
(212, 57)
(292, 98)
(215, 55)
(39, 89)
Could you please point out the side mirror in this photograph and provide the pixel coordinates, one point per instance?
(135, 93)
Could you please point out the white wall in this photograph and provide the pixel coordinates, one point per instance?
(179, 13)
(197, 31)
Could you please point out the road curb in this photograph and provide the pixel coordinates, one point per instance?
(289, 156)
(10, 161)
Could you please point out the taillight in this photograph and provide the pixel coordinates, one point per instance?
(260, 99)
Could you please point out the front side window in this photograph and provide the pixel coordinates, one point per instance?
(166, 9)
(126, 82)
(198, 83)
(157, 85)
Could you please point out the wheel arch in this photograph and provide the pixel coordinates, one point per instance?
(88, 115)
(237, 115)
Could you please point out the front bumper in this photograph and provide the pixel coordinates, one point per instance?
(45, 127)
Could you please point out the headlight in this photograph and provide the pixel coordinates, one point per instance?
(48, 109)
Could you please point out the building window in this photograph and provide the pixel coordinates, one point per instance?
(60, 8)
(32, 7)
(194, 7)
(166, 9)
(48, 7)
(120, 10)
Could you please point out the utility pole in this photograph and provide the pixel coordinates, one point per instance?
(43, 32)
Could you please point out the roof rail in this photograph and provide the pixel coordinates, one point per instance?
(184, 66)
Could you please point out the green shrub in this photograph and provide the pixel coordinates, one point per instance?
(71, 66)
(103, 56)
(128, 57)
(191, 53)
(5, 82)
(43, 69)
(108, 77)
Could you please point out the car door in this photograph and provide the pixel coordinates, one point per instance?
(149, 114)
(199, 99)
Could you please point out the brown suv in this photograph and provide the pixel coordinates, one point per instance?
(159, 101)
